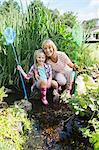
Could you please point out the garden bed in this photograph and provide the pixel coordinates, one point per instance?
(55, 127)
(49, 127)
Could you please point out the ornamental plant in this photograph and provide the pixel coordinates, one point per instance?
(14, 127)
(87, 104)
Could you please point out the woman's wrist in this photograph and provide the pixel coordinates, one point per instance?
(74, 66)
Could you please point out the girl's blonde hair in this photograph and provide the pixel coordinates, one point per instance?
(49, 42)
(36, 54)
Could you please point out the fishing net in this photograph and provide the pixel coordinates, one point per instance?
(77, 33)
(10, 35)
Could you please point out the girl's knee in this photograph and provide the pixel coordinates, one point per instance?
(43, 83)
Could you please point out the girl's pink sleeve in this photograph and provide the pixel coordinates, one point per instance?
(31, 72)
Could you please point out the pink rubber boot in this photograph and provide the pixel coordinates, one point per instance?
(43, 96)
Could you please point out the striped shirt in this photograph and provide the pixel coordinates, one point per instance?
(48, 71)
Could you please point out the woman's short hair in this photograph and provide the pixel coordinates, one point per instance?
(49, 42)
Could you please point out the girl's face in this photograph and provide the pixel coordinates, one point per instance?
(40, 58)
(48, 49)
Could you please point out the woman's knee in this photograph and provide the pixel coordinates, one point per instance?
(61, 79)
(54, 84)
(68, 71)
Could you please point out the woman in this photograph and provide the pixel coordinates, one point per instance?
(61, 65)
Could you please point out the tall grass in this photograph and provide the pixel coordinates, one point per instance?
(32, 27)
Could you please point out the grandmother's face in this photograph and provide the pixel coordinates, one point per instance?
(48, 50)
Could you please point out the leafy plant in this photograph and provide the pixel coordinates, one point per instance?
(2, 93)
(82, 102)
(87, 104)
(14, 127)
(92, 134)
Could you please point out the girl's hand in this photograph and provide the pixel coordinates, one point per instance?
(22, 71)
(19, 68)
(37, 76)
(49, 83)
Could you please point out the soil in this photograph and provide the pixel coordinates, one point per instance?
(55, 127)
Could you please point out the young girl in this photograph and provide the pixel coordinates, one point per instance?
(42, 74)
(60, 63)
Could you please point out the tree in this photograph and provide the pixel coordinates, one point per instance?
(90, 23)
(6, 6)
(69, 19)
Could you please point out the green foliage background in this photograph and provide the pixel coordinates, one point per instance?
(32, 26)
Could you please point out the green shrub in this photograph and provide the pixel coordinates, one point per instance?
(14, 127)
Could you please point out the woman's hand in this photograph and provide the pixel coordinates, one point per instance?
(74, 67)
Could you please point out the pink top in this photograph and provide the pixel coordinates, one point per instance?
(47, 68)
(63, 61)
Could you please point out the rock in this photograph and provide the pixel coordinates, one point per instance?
(3, 105)
(24, 104)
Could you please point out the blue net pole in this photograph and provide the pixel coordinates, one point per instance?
(23, 85)
(10, 35)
